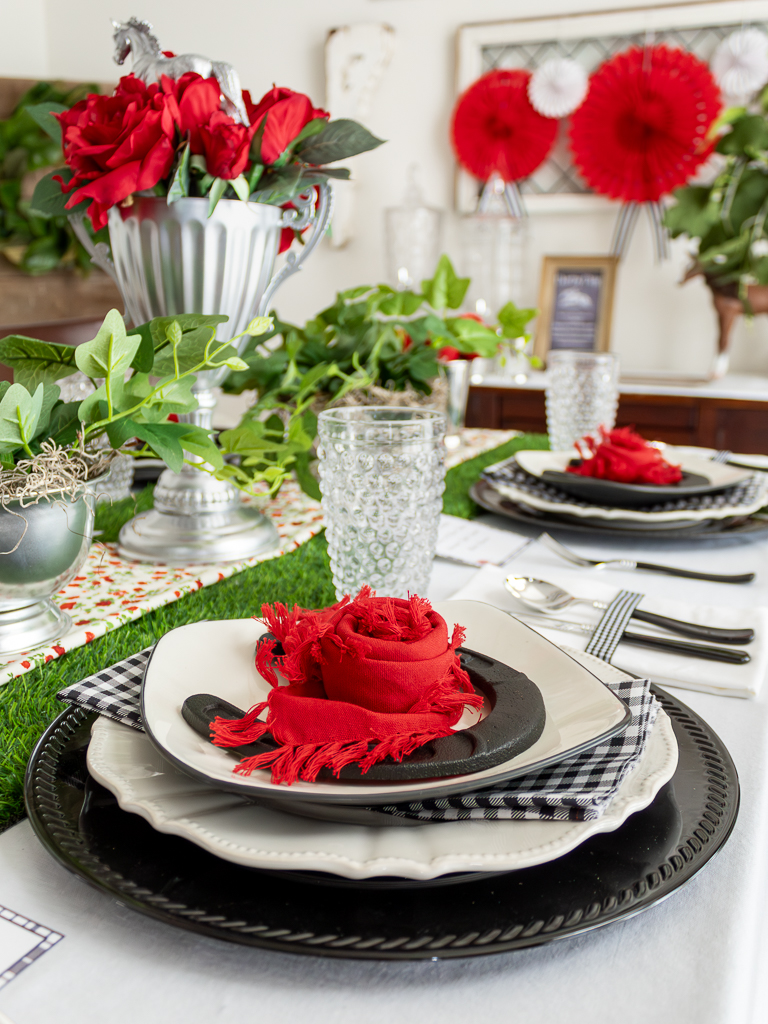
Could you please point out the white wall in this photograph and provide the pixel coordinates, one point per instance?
(657, 324)
(23, 39)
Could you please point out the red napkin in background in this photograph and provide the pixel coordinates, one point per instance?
(365, 679)
(622, 455)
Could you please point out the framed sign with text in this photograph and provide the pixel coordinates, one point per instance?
(575, 303)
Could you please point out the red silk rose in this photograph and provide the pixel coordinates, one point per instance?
(123, 143)
(287, 112)
(223, 142)
(116, 145)
(365, 679)
(623, 456)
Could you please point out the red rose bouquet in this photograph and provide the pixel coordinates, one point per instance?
(172, 138)
(625, 457)
(362, 680)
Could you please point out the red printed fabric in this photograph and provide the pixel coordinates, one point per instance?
(623, 456)
(363, 680)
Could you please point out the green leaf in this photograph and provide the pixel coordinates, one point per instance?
(145, 353)
(19, 416)
(241, 187)
(179, 186)
(218, 188)
(235, 363)
(514, 320)
(337, 141)
(747, 134)
(404, 303)
(51, 395)
(173, 397)
(445, 290)
(34, 362)
(471, 336)
(49, 201)
(42, 114)
(111, 352)
(260, 325)
(165, 439)
(190, 352)
(197, 442)
(64, 423)
(306, 480)
(693, 213)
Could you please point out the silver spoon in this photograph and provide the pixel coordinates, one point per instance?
(540, 596)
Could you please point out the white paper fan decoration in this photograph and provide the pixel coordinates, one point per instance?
(740, 63)
(558, 87)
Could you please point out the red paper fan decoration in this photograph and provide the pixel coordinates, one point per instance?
(495, 129)
(642, 130)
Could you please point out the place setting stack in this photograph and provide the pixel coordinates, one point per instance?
(386, 777)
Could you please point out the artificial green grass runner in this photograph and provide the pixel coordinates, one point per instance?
(28, 704)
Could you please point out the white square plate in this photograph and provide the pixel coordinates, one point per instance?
(218, 658)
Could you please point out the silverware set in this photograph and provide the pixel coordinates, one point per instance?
(541, 600)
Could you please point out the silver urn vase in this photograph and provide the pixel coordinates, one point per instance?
(42, 547)
(172, 259)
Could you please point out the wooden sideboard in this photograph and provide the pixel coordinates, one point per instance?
(738, 424)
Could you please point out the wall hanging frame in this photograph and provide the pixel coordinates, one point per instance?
(575, 304)
(590, 39)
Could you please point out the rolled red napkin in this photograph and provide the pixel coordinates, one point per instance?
(625, 457)
(365, 679)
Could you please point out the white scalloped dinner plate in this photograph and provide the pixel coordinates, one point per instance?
(229, 826)
(218, 657)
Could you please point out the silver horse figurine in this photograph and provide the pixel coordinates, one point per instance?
(149, 63)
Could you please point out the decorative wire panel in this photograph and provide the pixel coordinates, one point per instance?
(557, 175)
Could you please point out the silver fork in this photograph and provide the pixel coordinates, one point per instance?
(627, 563)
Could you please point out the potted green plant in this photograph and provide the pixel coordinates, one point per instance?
(51, 463)
(727, 220)
(374, 345)
(35, 244)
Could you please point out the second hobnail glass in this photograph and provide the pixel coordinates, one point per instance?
(582, 395)
(382, 478)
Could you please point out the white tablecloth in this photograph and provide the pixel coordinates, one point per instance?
(700, 957)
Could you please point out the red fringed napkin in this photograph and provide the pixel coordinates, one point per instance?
(623, 456)
(365, 679)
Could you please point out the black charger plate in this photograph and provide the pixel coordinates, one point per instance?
(492, 500)
(609, 877)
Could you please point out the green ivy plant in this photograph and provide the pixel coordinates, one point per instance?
(370, 335)
(728, 217)
(35, 244)
(142, 381)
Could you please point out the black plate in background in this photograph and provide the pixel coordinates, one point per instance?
(609, 877)
(490, 499)
(618, 495)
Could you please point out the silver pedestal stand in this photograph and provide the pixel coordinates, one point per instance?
(175, 259)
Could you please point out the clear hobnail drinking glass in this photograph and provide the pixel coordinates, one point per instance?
(382, 478)
(582, 395)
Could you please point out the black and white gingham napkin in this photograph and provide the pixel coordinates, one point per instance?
(115, 692)
(510, 473)
(577, 789)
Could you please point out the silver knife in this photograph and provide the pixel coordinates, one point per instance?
(662, 643)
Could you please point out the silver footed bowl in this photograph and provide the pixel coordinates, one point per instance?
(42, 547)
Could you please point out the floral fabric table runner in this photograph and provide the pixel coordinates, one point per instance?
(111, 591)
